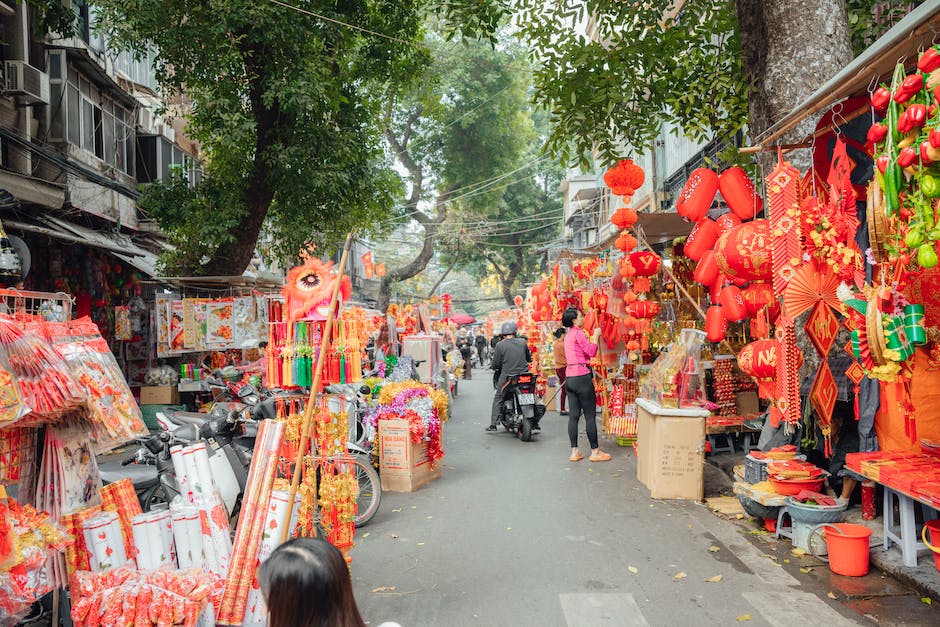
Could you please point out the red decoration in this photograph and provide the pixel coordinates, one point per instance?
(732, 303)
(624, 218)
(744, 251)
(822, 326)
(726, 222)
(644, 309)
(697, 195)
(823, 396)
(703, 237)
(738, 191)
(756, 297)
(707, 269)
(715, 324)
(783, 195)
(625, 242)
(517, 300)
(645, 262)
(624, 178)
(759, 360)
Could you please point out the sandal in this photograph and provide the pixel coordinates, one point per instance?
(576, 457)
(600, 456)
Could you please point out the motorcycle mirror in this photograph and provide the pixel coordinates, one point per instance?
(365, 390)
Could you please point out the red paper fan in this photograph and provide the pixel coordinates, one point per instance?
(808, 287)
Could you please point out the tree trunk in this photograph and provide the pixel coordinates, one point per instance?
(509, 278)
(232, 259)
(790, 49)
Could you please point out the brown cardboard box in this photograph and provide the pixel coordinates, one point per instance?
(404, 465)
(747, 403)
(670, 451)
(159, 395)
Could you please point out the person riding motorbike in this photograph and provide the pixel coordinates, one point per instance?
(510, 358)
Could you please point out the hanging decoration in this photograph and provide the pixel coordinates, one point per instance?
(783, 187)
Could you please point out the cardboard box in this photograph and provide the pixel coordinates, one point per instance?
(159, 395)
(671, 451)
(747, 403)
(552, 398)
(404, 466)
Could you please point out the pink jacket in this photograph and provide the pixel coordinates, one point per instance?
(578, 352)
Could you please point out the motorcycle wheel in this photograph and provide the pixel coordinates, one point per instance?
(525, 430)
(370, 491)
(155, 500)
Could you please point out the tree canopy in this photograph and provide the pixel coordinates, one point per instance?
(286, 103)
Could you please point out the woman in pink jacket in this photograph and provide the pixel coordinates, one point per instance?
(579, 381)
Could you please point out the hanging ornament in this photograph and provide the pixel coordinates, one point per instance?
(738, 191)
(744, 251)
(783, 195)
(702, 238)
(698, 194)
(759, 361)
(707, 269)
(732, 303)
(716, 326)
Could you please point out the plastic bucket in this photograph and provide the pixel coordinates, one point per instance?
(933, 526)
(848, 547)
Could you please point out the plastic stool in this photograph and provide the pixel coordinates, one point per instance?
(786, 532)
(905, 533)
(729, 443)
(749, 441)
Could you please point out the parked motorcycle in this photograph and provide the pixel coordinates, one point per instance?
(519, 412)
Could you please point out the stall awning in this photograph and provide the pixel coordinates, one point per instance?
(116, 243)
(916, 30)
(663, 226)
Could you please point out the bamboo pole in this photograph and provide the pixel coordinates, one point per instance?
(312, 399)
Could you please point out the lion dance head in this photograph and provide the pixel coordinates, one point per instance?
(308, 290)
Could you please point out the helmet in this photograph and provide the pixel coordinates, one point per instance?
(231, 374)
(509, 328)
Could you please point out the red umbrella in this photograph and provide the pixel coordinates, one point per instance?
(460, 318)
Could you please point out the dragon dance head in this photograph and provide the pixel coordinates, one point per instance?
(308, 290)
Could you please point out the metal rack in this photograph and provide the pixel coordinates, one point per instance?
(22, 305)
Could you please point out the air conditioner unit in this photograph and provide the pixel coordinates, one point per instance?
(20, 78)
(145, 119)
(168, 132)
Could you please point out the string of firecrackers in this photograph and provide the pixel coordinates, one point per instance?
(787, 407)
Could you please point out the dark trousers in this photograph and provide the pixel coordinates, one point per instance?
(497, 399)
(581, 398)
(563, 393)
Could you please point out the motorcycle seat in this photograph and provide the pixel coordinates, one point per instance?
(188, 418)
(143, 476)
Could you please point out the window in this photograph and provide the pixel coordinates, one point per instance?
(82, 21)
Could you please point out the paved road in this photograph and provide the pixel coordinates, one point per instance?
(515, 534)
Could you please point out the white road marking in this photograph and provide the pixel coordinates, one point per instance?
(588, 610)
(785, 608)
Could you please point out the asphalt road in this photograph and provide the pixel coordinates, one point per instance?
(515, 534)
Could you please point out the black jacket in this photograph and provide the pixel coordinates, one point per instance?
(511, 357)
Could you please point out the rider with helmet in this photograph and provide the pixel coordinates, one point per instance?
(510, 358)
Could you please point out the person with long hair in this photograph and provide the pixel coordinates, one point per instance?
(579, 379)
(306, 583)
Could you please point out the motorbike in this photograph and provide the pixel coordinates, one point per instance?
(519, 412)
(229, 430)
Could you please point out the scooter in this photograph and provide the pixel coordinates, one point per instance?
(519, 412)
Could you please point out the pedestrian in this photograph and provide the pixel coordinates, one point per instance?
(560, 363)
(465, 346)
(511, 358)
(306, 583)
(480, 342)
(579, 379)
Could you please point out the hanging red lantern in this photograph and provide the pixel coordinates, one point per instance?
(714, 290)
(624, 218)
(727, 222)
(757, 296)
(703, 236)
(697, 195)
(626, 268)
(646, 262)
(715, 324)
(738, 191)
(707, 269)
(732, 303)
(624, 178)
(644, 309)
(517, 300)
(625, 242)
(634, 174)
(759, 360)
(744, 251)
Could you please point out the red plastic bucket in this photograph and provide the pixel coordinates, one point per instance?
(933, 542)
(848, 546)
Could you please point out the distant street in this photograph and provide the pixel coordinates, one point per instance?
(515, 534)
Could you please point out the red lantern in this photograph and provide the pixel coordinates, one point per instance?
(645, 262)
(634, 173)
(757, 296)
(739, 193)
(703, 236)
(624, 218)
(715, 324)
(644, 309)
(714, 290)
(744, 251)
(624, 178)
(517, 300)
(707, 269)
(625, 242)
(732, 303)
(759, 360)
(697, 195)
(727, 222)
